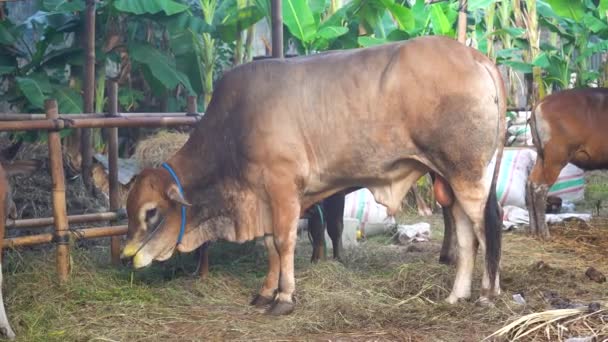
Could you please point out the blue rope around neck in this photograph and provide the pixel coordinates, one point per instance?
(182, 227)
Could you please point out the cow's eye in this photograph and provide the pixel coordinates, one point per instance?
(151, 214)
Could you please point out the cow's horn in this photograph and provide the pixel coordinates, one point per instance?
(174, 195)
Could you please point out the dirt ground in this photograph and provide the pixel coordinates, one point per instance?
(381, 292)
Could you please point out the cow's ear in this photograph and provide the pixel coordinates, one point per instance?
(174, 195)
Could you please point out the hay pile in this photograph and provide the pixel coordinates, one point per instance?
(580, 324)
(154, 150)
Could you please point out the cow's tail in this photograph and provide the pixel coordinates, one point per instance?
(492, 212)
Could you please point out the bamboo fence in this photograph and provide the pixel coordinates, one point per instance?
(53, 123)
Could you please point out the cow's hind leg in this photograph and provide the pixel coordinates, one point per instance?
(334, 213)
(467, 248)
(475, 208)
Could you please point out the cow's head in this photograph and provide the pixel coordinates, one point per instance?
(154, 213)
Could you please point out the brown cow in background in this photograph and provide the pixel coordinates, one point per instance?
(567, 127)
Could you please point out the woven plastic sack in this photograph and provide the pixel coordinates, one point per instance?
(372, 215)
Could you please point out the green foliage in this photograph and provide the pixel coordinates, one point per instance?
(139, 7)
(160, 66)
(304, 21)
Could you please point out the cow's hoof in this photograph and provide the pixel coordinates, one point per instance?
(484, 302)
(261, 301)
(446, 260)
(452, 299)
(280, 308)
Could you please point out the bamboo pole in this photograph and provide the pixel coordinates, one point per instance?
(77, 234)
(72, 219)
(462, 21)
(60, 214)
(277, 28)
(33, 125)
(33, 117)
(191, 108)
(61, 123)
(113, 166)
(86, 149)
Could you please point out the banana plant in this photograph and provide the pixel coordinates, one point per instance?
(308, 25)
(402, 22)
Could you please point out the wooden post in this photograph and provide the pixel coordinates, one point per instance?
(192, 107)
(86, 149)
(113, 166)
(277, 28)
(462, 21)
(60, 214)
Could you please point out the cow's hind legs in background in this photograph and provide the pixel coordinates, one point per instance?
(334, 214)
(316, 228)
(449, 248)
(202, 269)
(477, 220)
(544, 173)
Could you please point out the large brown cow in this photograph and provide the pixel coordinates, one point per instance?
(257, 160)
(567, 127)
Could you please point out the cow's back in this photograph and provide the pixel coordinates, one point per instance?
(355, 113)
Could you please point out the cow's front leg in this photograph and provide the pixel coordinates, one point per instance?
(285, 220)
(271, 283)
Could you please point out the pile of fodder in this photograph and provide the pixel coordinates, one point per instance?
(156, 149)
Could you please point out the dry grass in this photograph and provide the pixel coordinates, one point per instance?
(380, 292)
(154, 150)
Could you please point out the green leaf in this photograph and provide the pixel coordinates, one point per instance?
(160, 66)
(603, 8)
(573, 9)
(63, 5)
(317, 7)
(511, 31)
(68, 100)
(8, 64)
(264, 6)
(421, 14)
(508, 53)
(34, 88)
(397, 35)
(177, 24)
(129, 98)
(592, 49)
(332, 32)
(594, 24)
(189, 64)
(140, 7)
(237, 21)
(542, 60)
(299, 19)
(402, 15)
(474, 5)
(526, 68)
(440, 22)
(370, 41)
(6, 37)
